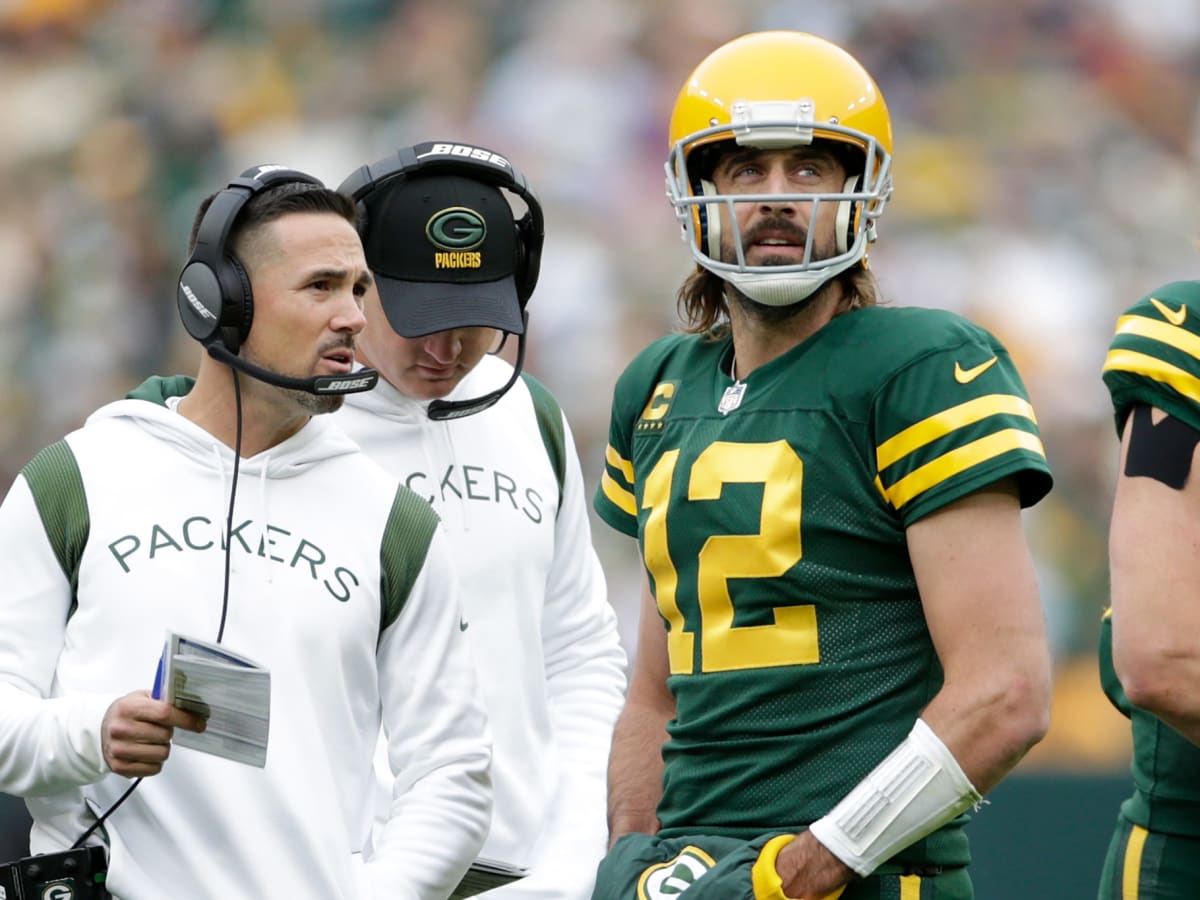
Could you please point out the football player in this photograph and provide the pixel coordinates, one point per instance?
(841, 647)
(1149, 655)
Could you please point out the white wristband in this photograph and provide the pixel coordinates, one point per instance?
(918, 788)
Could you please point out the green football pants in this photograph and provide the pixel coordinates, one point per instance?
(1150, 865)
(704, 867)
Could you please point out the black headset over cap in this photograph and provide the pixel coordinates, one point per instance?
(445, 248)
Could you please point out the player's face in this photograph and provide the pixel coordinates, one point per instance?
(424, 368)
(308, 275)
(773, 232)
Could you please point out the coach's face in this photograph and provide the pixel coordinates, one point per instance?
(423, 368)
(308, 276)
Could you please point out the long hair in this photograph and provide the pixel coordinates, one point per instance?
(703, 305)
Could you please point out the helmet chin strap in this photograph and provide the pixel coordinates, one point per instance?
(779, 288)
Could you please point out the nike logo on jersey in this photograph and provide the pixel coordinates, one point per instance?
(966, 376)
(1174, 316)
(463, 624)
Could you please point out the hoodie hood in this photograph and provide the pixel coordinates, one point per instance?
(152, 406)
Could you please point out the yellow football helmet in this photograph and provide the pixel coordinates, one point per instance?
(776, 89)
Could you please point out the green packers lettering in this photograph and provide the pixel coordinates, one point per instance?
(792, 639)
(200, 533)
(476, 483)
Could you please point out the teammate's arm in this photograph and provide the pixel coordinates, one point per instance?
(635, 764)
(981, 602)
(1154, 555)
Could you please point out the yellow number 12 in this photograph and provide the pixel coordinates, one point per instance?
(792, 638)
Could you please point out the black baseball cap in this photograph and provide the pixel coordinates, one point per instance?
(443, 250)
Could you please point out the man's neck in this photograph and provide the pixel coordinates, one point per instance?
(266, 419)
(758, 339)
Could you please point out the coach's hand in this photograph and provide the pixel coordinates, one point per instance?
(136, 733)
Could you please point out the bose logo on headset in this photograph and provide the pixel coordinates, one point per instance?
(201, 310)
(478, 153)
(349, 384)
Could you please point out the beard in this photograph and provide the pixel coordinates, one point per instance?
(309, 404)
(786, 228)
(316, 404)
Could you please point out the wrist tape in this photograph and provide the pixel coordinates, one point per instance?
(918, 788)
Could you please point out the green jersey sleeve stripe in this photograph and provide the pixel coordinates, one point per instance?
(618, 462)
(1155, 369)
(402, 552)
(57, 487)
(948, 420)
(959, 460)
(621, 497)
(1171, 335)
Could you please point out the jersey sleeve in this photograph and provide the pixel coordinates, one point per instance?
(952, 421)
(615, 500)
(1154, 356)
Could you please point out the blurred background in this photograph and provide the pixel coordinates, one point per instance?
(1045, 167)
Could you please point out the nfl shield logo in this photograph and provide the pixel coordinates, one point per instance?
(732, 398)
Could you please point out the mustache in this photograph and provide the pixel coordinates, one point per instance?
(345, 342)
(777, 227)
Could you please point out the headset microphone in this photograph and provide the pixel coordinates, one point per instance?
(351, 383)
(440, 410)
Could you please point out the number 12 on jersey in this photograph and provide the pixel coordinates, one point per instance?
(791, 639)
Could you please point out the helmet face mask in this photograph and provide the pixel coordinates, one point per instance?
(774, 90)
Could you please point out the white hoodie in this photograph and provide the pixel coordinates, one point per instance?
(340, 585)
(542, 633)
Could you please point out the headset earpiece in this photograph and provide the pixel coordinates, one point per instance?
(529, 257)
(238, 318)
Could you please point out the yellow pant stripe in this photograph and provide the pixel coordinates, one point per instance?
(1133, 862)
(910, 887)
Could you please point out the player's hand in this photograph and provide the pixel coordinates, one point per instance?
(136, 733)
(809, 871)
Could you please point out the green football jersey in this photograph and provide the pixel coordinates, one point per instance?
(771, 517)
(1154, 359)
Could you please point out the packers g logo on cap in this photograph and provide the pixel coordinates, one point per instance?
(456, 231)
(666, 881)
(456, 228)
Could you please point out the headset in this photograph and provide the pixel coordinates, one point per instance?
(479, 164)
(214, 297)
